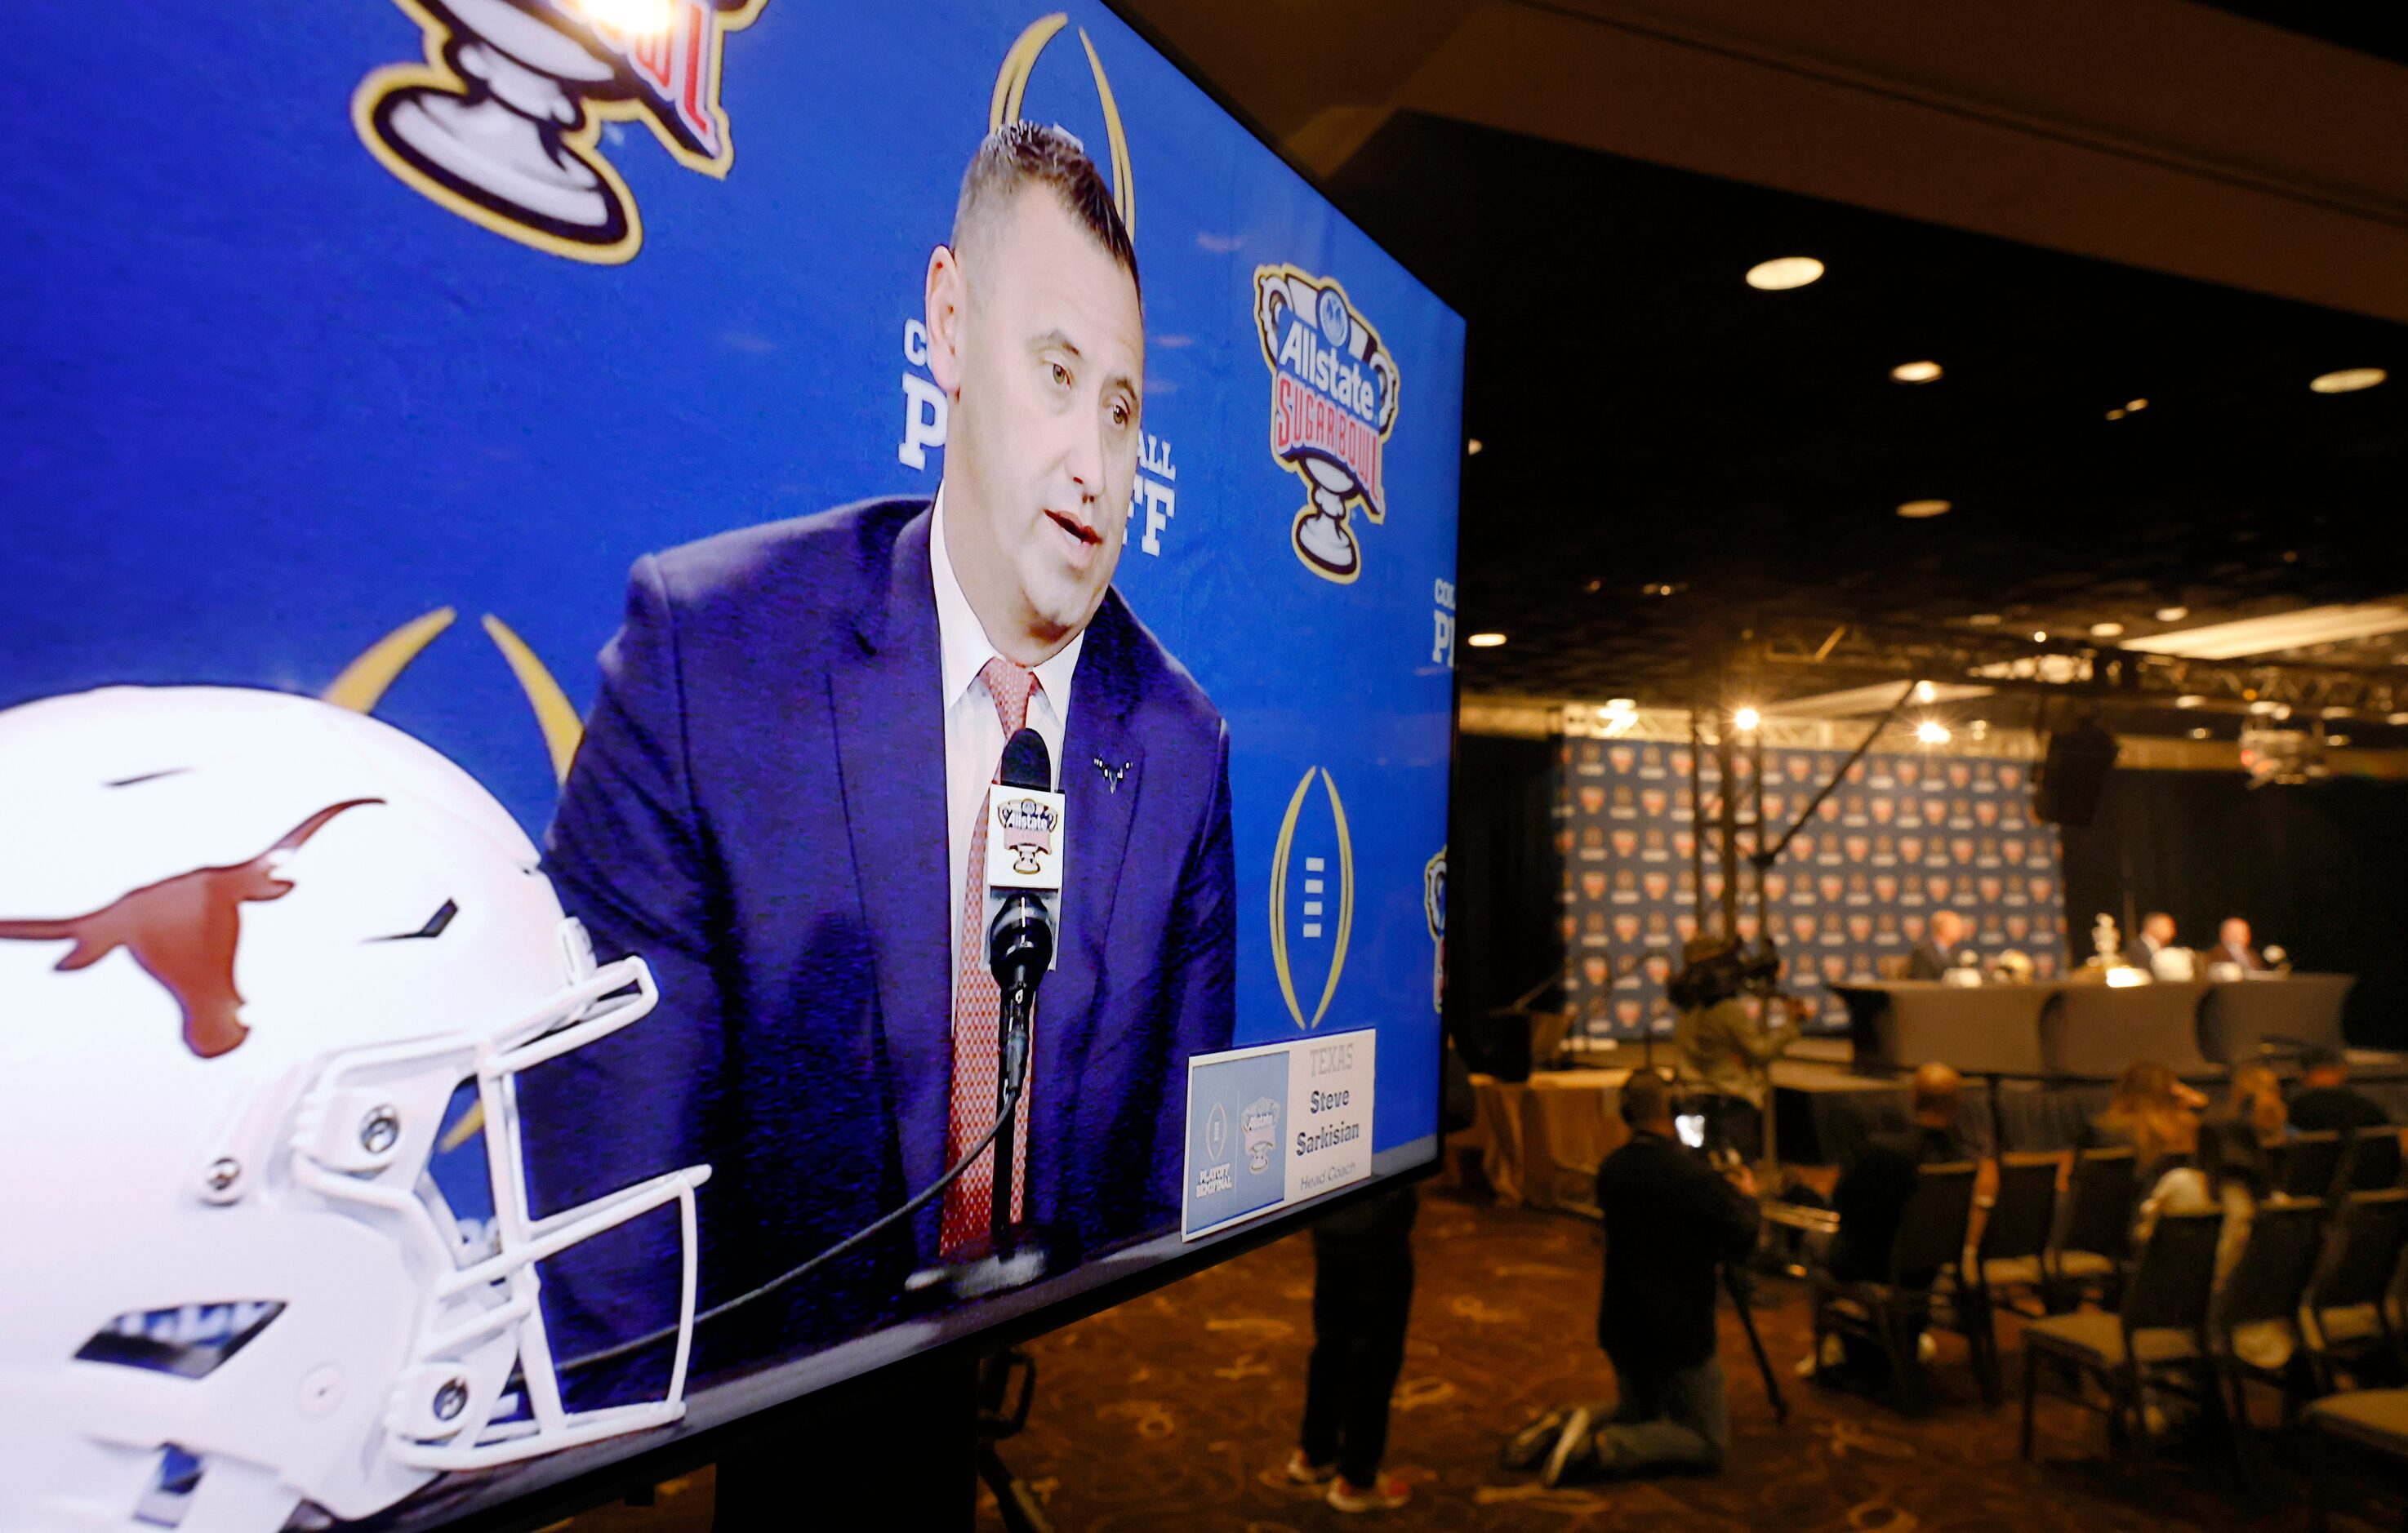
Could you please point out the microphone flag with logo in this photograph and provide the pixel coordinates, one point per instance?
(1024, 849)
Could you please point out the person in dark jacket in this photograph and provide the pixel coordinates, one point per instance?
(1671, 1219)
(1871, 1195)
(2326, 1099)
(1362, 1299)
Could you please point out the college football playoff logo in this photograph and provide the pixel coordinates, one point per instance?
(500, 123)
(1333, 402)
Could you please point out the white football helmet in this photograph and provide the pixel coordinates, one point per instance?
(268, 971)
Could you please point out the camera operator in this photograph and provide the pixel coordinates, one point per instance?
(1671, 1219)
(1724, 1043)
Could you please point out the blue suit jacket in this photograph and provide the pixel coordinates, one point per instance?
(758, 809)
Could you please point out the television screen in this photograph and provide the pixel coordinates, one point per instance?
(698, 695)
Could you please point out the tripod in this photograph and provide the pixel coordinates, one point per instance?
(1735, 1283)
(1021, 1510)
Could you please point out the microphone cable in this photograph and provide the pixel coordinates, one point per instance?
(914, 1204)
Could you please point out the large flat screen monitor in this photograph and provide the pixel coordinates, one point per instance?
(696, 695)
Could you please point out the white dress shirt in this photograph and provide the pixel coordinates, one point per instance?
(974, 738)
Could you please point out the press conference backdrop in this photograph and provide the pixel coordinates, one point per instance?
(290, 409)
(1902, 837)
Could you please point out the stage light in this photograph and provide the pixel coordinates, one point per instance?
(2336, 740)
(1472, 446)
(2117, 414)
(2040, 635)
(2199, 734)
(1931, 732)
(2134, 407)
(2106, 630)
(1786, 272)
(1485, 641)
(2347, 381)
(2172, 614)
(1925, 692)
(1916, 372)
(1915, 511)
(1747, 718)
(2191, 699)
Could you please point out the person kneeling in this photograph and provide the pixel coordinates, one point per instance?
(1670, 1221)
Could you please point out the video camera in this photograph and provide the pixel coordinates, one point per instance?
(1726, 968)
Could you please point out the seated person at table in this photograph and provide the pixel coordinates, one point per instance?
(2325, 1098)
(1873, 1193)
(2232, 947)
(1936, 955)
(2157, 934)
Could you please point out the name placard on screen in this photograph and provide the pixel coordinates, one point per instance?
(1274, 1125)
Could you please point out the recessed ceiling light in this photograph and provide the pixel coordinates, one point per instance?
(2290, 556)
(2191, 699)
(1916, 372)
(2134, 407)
(1472, 446)
(2172, 614)
(2040, 635)
(2347, 381)
(1747, 718)
(1925, 692)
(1485, 641)
(1917, 509)
(2199, 734)
(2106, 630)
(2336, 739)
(1931, 732)
(1984, 619)
(1596, 586)
(2117, 414)
(1786, 272)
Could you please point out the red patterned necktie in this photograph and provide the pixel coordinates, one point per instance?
(977, 1007)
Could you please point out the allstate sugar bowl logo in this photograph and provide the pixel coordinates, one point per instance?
(1261, 1123)
(1333, 402)
(499, 124)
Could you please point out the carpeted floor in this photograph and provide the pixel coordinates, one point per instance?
(1176, 1411)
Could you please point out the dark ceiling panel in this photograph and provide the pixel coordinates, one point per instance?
(1648, 420)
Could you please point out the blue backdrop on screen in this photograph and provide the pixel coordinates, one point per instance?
(1900, 837)
(272, 402)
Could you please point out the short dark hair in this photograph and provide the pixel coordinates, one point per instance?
(1019, 154)
(1645, 1098)
(2318, 1057)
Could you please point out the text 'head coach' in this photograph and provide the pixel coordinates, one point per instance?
(779, 802)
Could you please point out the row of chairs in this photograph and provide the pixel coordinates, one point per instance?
(2044, 1255)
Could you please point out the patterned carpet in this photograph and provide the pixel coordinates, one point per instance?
(1175, 1411)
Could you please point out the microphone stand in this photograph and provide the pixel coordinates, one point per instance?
(1011, 1067)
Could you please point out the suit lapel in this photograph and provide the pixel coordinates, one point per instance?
(1098, 811)
(888, 714)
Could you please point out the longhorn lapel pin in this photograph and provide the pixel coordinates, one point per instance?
(1112, 775)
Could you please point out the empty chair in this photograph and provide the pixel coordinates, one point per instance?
(2252, 1320)
(2348, 1321)
(2094, 1228)
(1891, 1312)
(2157, 1338)
(2005, 1258)
(2372, 1422)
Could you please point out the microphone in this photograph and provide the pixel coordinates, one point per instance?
(1023, 866)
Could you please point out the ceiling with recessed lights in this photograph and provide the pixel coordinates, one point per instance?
(1940, 430)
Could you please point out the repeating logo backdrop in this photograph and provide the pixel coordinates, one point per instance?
(1903, 836)
(336, 367)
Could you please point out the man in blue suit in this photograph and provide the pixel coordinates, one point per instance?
(776, 803)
